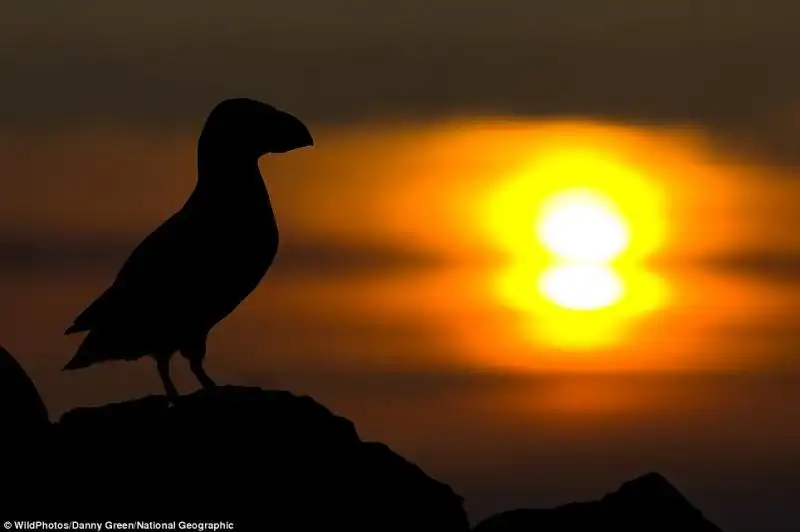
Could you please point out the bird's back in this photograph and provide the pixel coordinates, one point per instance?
(185, 277)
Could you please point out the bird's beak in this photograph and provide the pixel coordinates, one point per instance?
(288, 133)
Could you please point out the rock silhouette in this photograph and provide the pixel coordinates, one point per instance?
(200, 264)
(263, 460)
(645, 504)
(259, 460)
(23, 415)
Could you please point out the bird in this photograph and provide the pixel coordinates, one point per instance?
(202, 262)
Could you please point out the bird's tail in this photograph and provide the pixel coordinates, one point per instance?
(82, 359)
(94, 348)
(73, 329)
(101, 346)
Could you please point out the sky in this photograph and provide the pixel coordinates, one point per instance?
(407, 277)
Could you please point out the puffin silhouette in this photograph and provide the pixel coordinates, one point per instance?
(201, 263)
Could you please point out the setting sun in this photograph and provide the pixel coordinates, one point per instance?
(582, 225)
(576, 224)
(584, 231)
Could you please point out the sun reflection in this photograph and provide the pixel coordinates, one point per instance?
(556, 309)
(582, 286)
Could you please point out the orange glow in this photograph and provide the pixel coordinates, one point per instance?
(597, 219)
(473, 194)
(513, 208)
(616, 296)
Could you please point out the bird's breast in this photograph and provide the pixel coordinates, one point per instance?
(236, 256)
(250, 242)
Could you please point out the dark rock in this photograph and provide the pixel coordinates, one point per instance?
(646, 504)
(263, 460)
(259, 460)
(23, 415)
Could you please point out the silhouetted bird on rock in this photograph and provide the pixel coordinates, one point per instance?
(197, 267)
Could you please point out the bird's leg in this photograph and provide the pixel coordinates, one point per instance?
(195, 354)
(162, 361)
(197, 368)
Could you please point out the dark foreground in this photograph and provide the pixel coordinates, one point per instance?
(261, 460)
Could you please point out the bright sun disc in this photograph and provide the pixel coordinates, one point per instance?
(582, 226)
(581, 286)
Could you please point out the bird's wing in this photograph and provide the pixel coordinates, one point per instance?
(153, 279)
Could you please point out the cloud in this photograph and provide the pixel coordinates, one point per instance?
(766, 265)
(20, 254)
(648, 64)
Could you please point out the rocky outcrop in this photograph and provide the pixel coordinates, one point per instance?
(238, 458)
(259, 460)
(646, 504)
(23, 415)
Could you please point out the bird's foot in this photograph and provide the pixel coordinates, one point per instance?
(208, 388)
(172, 398)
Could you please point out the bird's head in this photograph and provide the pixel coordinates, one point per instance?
(245, 127)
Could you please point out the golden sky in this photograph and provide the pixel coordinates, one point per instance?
(434, 224)
(413, 276)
